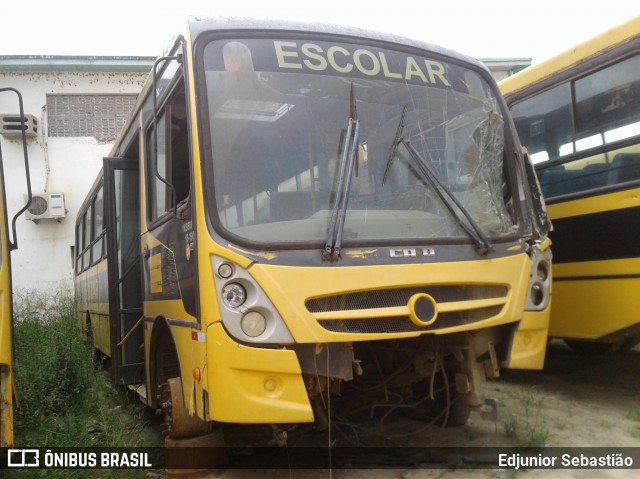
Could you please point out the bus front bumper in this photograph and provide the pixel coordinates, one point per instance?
(253, 385)
(530, 341)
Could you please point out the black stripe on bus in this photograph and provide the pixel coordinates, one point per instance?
(598, 236)
(603, 277)
(175, 322)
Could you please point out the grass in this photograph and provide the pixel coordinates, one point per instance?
(65, 397)
(634, 416)
(526, 428)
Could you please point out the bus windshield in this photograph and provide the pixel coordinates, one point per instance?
(279, 112)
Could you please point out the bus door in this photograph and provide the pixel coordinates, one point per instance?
(121, 191)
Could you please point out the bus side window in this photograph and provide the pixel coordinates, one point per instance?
(545, 124)
(88, 230)
(169, 156)
(79, 238)
(98, 228)
(606, 105)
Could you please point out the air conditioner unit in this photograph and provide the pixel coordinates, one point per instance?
(46, 206)
(10, 125)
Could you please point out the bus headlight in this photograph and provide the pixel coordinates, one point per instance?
(536, 294)
(225, 270)
(539, 290)
(542, 271)
(253, 324)
(233, 295)
(246, 311)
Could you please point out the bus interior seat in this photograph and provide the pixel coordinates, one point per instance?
(560, 181)
(624, 167)
(549, 179)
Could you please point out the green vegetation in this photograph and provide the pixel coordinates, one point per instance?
(65, 397)
(526, 428)
(634, 416)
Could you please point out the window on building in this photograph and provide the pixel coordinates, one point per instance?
(100, 116)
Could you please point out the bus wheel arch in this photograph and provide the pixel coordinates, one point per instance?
(163, 357)
(166, 385)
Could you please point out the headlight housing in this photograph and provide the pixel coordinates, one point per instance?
(247, 313)
(539, 288)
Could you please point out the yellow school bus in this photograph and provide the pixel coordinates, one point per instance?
(7, 381)
(294, 211)
(579, 117)
(6, 343)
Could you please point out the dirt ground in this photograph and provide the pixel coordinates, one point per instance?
(577, 400)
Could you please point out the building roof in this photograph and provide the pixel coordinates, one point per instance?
(510, 65)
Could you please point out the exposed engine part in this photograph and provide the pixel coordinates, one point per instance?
(279, 436)
(436, 379)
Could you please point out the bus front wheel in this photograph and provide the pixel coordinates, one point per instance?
(180, 423)
(168, 390)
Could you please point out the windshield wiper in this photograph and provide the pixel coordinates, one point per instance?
(394, 145)
(459, 212)
(348, 160)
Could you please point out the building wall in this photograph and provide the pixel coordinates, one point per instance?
(43, 261)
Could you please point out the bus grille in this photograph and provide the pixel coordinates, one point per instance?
(398, 297)
(404, 324)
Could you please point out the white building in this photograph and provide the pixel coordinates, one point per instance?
(79, 105)
(502, 68)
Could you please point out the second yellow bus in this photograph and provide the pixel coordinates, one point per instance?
(579, 116)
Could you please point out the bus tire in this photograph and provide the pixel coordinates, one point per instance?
(181, 423)
(459, 411)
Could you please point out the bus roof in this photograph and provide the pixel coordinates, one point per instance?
(601, 43)
(199, 25)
